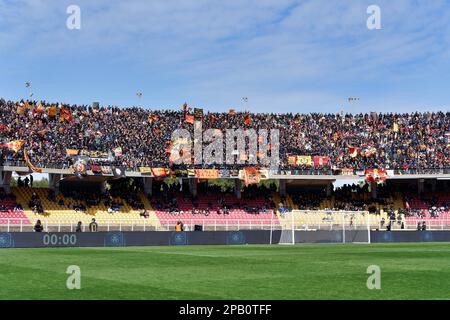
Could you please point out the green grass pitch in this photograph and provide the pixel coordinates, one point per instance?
(312, 271)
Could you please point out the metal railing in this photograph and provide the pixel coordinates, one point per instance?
(149, 224)
(283, 170)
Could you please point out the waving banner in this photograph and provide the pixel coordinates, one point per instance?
(52, 111)
(251, 176)
(145, 170)
(376, 175)
(190, 119)
(320, 161)
(29, 164)
(106, 170)
(304, 160)
(353, 152)
(292, 160)
(80, 167)
(160, 172)
(96, 169)
(368, 151)
(118, 172)
(295, 160)
(72, 152)
(347, 171)
(15, 145)
(65, 114)
(207, 173)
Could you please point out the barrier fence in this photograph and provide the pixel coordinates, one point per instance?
(286, 171)
(24, 225)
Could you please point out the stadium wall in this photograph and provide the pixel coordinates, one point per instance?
(149, 238)
(338, 236)
(167, 238)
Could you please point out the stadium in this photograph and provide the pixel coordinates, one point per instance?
(272, 154)
(147, 192)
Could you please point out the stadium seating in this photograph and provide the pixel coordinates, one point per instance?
(312, 209)
(326, 219)
(237, 215)
(433, 207)
(54, 213)
(9, 213)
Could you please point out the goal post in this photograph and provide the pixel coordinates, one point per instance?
(288, 231)
(322, 226)
(355, 227)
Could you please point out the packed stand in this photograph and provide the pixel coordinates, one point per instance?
(412, 142)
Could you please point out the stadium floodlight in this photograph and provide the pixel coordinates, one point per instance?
(28, 86)
(139, 96)
(245, 100)
(353, 99)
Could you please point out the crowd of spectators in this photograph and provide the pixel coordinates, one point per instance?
(81, 199)
(8, 201)
(35, 204)
(407, 141)
(254, 200)
(435, 206)
(349, 197)
(357, 197)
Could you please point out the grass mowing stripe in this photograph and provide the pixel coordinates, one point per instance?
(321, 271)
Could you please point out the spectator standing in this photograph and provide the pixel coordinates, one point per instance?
(38, 226)
(79, 227)
(93, 226)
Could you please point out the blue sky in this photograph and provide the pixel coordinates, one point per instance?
(284, 55)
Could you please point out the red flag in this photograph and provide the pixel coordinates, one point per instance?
(320, 161)
(152, 117)
(247, 120)
(96, 168)
(353, 152)
(190, 119)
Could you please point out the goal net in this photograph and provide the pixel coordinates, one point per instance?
(309, 226)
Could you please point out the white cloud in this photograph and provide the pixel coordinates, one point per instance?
(302, 54)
